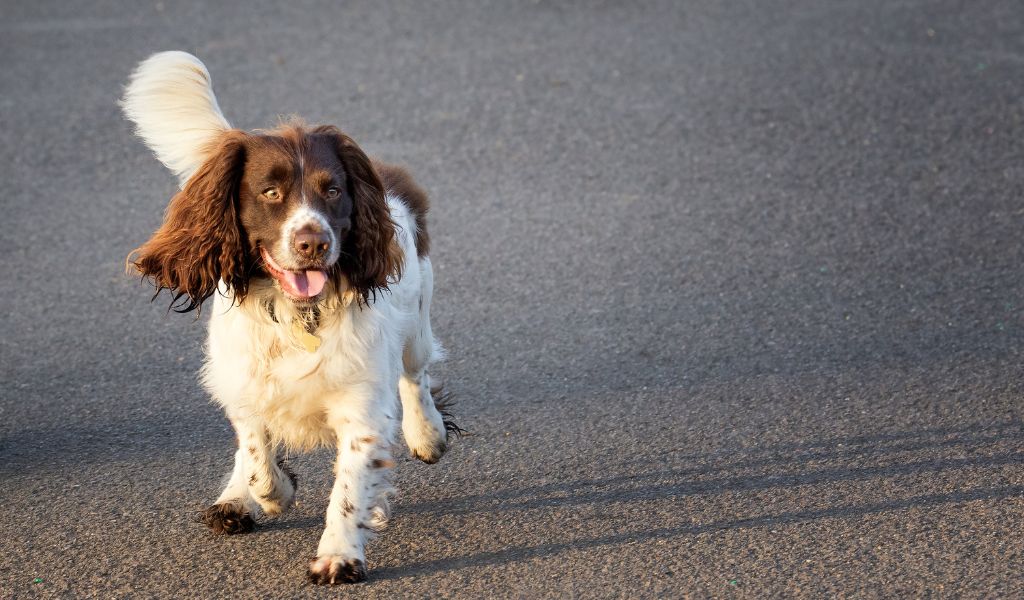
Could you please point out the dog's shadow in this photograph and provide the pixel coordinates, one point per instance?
(291, 522)
(783, 466)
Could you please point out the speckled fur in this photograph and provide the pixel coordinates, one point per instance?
(373, 321)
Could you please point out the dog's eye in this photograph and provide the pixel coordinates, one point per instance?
(272, 194)
(333, 193)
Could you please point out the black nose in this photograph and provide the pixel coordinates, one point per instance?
(310, 243)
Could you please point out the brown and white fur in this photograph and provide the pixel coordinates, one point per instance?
(293, 233)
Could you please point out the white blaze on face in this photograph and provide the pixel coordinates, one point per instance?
(304, 216)
(297, 282)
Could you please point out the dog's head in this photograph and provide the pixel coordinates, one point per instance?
(303, 207)
(298, 206)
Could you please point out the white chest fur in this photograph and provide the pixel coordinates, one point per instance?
(257, 366)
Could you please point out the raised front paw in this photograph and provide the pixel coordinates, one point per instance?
(331, 570)
(227, 518)
(426, 436)
(428, 448)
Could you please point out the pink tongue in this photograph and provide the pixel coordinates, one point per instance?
(304, 284)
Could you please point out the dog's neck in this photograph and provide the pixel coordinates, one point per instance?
(308, 313)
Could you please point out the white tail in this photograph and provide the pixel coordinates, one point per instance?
(170, 99)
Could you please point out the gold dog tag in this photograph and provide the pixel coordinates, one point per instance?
(309, 341)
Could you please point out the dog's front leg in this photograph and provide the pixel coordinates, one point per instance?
(259, 479)
(364, 423)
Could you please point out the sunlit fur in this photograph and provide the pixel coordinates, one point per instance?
(199, 243)
(345, 395)
(373, 323)
(170, 99)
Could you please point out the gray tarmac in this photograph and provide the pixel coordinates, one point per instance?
(732, 293)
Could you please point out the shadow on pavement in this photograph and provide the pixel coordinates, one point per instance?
(787, 465)
(542, 550)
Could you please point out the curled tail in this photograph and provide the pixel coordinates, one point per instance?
(171, 101)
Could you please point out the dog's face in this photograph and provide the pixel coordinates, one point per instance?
(300, 207)
(295, 208)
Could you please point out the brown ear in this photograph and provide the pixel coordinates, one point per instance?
(200, 242)
(371, 257)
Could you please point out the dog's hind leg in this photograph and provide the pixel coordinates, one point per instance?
(422, 424)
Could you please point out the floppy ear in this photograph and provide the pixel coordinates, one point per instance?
(371, 257)
(200, 242)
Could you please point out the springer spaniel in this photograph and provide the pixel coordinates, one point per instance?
(316, 260)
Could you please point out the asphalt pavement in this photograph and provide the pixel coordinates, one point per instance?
(732, 291)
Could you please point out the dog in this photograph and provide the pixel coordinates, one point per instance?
(315, 259)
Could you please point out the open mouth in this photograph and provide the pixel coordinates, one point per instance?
(301, 285)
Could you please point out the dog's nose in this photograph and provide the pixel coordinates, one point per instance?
(311, 243)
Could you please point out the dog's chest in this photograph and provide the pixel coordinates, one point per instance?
(262, 365)
(297, 361)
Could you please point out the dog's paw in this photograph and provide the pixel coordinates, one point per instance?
(430, 450)
(227, 518)
(426, 437)
(331, 570)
